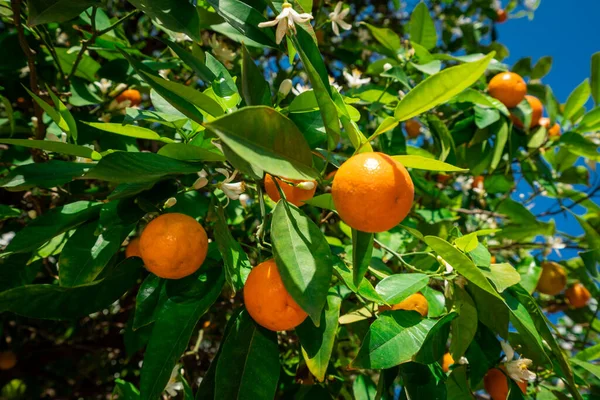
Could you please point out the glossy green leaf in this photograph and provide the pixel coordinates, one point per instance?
(363, 388)
(578, 97)
(183, 18)
(422, 28)
(196, 61)
(236, 263)
(464, 326)
(457, 385)
(133, 131)
(190, 152)
(48, 301)
(188, 299)
(303, 258)
(44, 175)
(541, 68)
(595, 78)
(589, 367)
(322, 201)
(248, 366)
(501, 131)
(442, 138)
(147, 300)
(387, 37)
(245, 19)
(125, 167)
(441, 87)
(51, 224)
(394, 338)
(125, 390)
(255, 89)
(590, 121)
(175, 121)
(317, 343)
(55, 147)
(503, 275)
(65, 114)
(428, 164)
(461, 263)
(362, 248)
(396, 288)
(476, 97)
(580, 145)
(265, 138)
(422, 381)
(46, 11)
(366, 289)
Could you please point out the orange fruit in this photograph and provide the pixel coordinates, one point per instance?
(268, 301)
(578, 295)
(501, 16)
(293, 194)
(553, 279)
(412, 128)
(173, 246)
(330, 175)
(442, 178)
(508, 87)
(478, 182)
(134, 97)
(493, 260)
(447, 361)
(133, 248)
(8, 360)
(552, 131)
(415, 302)
(372, 192)
(536, 112)
(496, 384)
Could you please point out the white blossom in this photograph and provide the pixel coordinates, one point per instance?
(333, 83)
(300, 88)
(387, 66)
(181, 37)
(231, 190)
(103, 84)
(286, 21)
(354, 80)
(174, 386)
(221, 51)
(508, 350)
(518, 370)
(554, 243)
(531, 5)
(337, 19)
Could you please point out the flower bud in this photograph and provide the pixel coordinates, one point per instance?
(308, 185)
(285, 87)
(170, 202)
(200, 183)
(387, 66)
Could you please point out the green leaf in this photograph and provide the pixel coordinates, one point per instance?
(461, 263)
(51, 224)
(541, 68)
(48, 301)
(592, 236)
(196, 61)
(248, 365)
(480, 99)
(245, 19)
(501, 131)
(133, 131)
(125, 167)
(590, 121)
(595, 78)
(266, 139)
(357, 138)
(188, 299)
(577, 99)
(457, 385)
(87, 68)
(125, 390)
(190, 152)
(363, 388)
(317, 343)
(503, 275)
(365, 289)
(394, 338)
(422, 28)
(422, 381)
(147, 300)
(464, 326)
(427, 164)
(55, 147)
(236, 262)
(44, 175)
(303, 258)
(255, 89)
(7, 212)
(387, 37)
(182, 18)
(65, 114)
(442, 137)
(322, 201)
(440, 88)
(396, 288)
(580, 145)
(46, 11)
(589, 354)
(387, 124)
(362, 248)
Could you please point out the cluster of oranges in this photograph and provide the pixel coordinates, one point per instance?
(553, 281)
(511, 89)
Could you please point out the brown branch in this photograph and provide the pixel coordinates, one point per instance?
(33, 82)
(478, 211)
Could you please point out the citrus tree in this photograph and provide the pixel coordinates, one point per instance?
(247, 199)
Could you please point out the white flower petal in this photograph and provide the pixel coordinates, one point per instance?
(334, 27)
(267, 24)
(344, 25)
(508, 350)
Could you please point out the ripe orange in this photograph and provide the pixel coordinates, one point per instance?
(8, 360)
(493, 260)
(268, 301)
(372, 192)
(293, 194)
(508, 87)
(447, 362)
(478, 182)
(133, 248)
(578, 295)
(536, 112)
(412, 128)
(442, 178)
(134, 97)
(173, 246)
(415, 302)
(552, 131)
(501, 16)
(553, 279)
(496, 384)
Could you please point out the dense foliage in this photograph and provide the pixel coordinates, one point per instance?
(113, 113)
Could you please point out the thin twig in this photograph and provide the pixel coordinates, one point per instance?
(478, 211)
